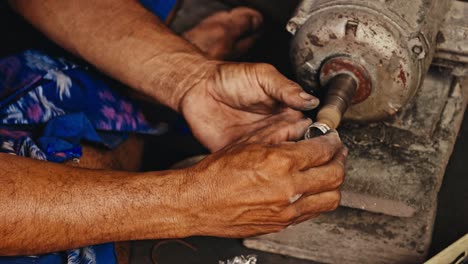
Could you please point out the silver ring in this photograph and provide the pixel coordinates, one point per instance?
(321, 126)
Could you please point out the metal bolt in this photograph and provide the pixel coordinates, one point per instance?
(418, 49)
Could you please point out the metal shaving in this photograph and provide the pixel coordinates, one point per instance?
(251, 259)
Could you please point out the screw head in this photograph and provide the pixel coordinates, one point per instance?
(417, 49)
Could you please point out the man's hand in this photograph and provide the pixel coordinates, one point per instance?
(221, 101)
(252, 188)
(234, 99)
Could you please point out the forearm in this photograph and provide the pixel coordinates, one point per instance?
(122, 39)
(46, 207)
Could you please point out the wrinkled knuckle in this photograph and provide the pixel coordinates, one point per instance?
(293, 117)
(328, 153)
(281, 159)
(266, 68)
(289, 215)
(283, 124)
(296, 213)
(338, 175)
(289, 191)
(272, 156)
(297, 115)
(325, 153)
(247, 153)
(329, 144)
(335, 200)
(275, 210)
(286, 191)
(335, 139)
(288, 158)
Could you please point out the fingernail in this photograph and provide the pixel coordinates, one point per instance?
(306, 96)
(311, 101)
(312, 104)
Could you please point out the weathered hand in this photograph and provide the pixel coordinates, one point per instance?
(252, 188)
(234, 99)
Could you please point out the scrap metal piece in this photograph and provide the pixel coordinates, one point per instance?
(457, 253)
(251, 259)
(317, 129)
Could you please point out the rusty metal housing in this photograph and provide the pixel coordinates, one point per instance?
(394, 41)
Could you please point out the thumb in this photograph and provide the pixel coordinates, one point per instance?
(284, 90)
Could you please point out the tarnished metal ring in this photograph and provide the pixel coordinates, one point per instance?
(324, 128)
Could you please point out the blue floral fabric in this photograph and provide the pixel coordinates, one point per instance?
(66, 103)
(49, 105)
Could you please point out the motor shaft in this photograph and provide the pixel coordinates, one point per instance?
(340, 93)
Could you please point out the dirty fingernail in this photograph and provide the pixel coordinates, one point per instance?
(306, 96)
(311, 101)
(311, 104)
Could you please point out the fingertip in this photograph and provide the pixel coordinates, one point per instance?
(312, 104)
(287, 91)
(306, 96)
(309, 101)
(331, 144)
(333, 134)
(341, 156)
(345, 151)
(308, 121)
(257, 21)
(303, 125)
(255, 18)
(299, 129)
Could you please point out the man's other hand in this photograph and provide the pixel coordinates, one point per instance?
(252, 188)
(234, 99)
